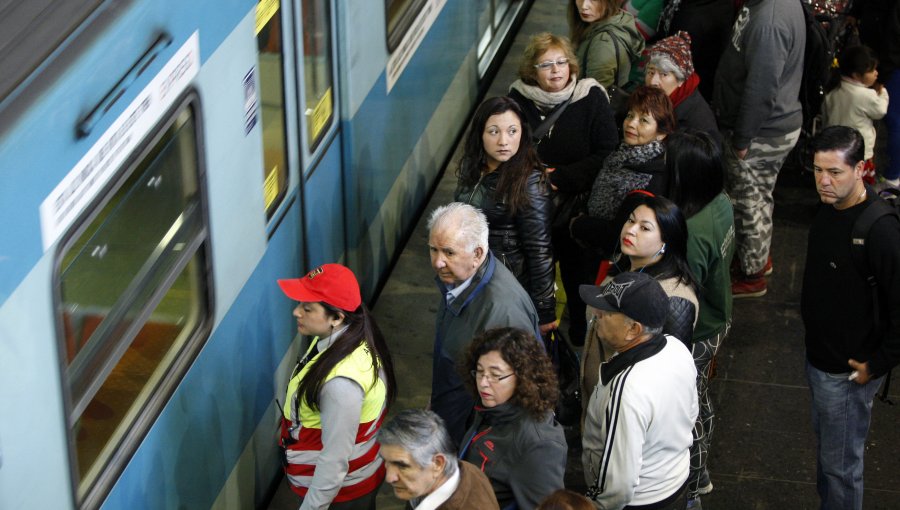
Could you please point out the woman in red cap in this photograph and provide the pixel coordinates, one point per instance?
(338, 394)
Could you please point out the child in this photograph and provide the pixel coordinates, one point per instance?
(855, 100)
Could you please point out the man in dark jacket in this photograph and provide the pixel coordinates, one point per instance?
(477, 293)
(848, 351)
(756, 99)
(421, 465)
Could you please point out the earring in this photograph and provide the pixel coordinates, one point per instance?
(663, 249)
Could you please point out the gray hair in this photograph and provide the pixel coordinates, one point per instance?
(423, 435)
(665, 64)
(652, 331)
(471, 224)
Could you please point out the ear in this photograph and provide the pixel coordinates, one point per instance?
(439, 462)
(479, 255)
(340, 318)
(858, 169)
(635, 330)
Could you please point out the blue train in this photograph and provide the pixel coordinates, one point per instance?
(162, 162)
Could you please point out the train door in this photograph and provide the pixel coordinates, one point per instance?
(301, 135)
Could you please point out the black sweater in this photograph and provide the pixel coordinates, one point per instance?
(836, 303)
(581, 139)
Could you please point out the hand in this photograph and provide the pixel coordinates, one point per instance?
(878, 87)
(547, 328)
(549, 170)
(740, 153)
(862, 371)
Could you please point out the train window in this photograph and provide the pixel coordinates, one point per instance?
(271, 84)
(400, 15)
(133, 296)
(317, 69)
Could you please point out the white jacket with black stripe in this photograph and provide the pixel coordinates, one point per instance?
(638, 426)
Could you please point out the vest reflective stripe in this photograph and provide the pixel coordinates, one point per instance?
(301, 430)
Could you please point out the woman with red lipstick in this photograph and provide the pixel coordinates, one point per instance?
(573, 126)
(606, 39)
(638, 163)
(514, 439)
(337, 396)
(500, 173)
(653, 240)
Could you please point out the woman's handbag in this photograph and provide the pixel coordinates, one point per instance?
(567, 365)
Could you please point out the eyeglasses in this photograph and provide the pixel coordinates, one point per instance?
(543, 66)
(491, 378)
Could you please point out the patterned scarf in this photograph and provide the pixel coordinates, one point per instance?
(616, 179)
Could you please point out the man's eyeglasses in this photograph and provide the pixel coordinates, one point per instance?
(548, 64)
(491, 378)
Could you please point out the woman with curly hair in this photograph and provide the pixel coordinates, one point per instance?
(514, 440)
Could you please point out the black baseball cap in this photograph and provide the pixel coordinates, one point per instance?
(637, 295)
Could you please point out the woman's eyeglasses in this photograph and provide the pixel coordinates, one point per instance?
(491, 378)
(543, 66)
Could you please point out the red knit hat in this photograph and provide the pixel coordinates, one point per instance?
(331, 283)
(678, 48)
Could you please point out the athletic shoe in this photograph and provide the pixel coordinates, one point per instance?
(705, 483)
(746, 286)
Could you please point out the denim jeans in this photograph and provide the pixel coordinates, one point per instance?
(841, 412)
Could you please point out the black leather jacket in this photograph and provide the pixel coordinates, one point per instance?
(521, 242)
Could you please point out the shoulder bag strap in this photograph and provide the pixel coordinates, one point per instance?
(550, 120)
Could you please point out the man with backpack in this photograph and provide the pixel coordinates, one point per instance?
(756, 101)
(850, 304)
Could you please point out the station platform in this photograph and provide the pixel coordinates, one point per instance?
(763, 447)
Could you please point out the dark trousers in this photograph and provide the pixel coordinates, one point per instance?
(577, 266)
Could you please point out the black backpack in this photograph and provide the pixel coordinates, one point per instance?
(888, 204)
(818, 58)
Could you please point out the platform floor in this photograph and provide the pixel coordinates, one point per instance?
(763, 447)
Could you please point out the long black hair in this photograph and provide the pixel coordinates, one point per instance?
(696, 170)
(513, 173)
(361, 328)
(673, 232)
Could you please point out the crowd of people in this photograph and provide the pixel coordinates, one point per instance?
(639, 159)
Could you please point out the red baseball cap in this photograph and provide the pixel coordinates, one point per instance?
(330, 283)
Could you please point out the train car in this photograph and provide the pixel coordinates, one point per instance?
(162, 163)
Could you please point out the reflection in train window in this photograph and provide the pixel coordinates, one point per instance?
(317, 69)
(271, 85)
(400, 15)
(133, 300)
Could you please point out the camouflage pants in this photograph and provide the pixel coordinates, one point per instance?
(750, 183)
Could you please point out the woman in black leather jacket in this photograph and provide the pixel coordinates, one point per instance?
(652, 240)
(500, 173)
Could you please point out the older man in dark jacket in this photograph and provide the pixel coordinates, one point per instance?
(477, 293)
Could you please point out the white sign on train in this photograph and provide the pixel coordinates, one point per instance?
(404, 51)
(76, 190)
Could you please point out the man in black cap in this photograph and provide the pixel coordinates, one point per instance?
(639, 421)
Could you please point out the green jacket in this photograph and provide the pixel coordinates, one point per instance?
(597, 53)
(710, 247)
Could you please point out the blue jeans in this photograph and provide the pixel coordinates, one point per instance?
(841, 412)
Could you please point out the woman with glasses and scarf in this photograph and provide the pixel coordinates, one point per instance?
(337, 396)
(574, 130)
(514, 439)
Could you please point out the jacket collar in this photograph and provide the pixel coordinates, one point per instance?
(482, 276)
(631, 357)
